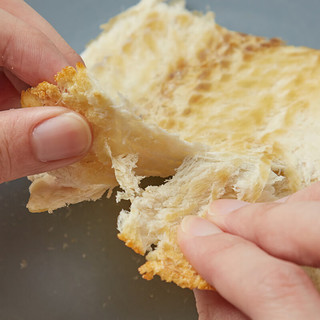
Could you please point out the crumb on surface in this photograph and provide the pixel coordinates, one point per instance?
(23, 264)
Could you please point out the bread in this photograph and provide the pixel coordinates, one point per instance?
(117, 131)
(240, 112)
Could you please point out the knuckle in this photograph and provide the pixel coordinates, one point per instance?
(204, 314)
(282, 282)
(262, 218)
(14, 53)
(262, 213)
(218, 254)
(225, 245)
(8, 43)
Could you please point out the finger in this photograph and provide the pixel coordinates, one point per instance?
(16, 82)
(35, 140)
(24, 12)
(26, 52)
(211, 306)
(259, 285)
(287, 230)
(9, 96)
(311, 193)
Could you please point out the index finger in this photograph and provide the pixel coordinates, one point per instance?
(26, 52)
(261, 286)
(287, 230)
(25, 13)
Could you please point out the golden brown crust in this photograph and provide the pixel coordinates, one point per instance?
(130, 244)
(168, 262)
(168, 271)
(172, 267)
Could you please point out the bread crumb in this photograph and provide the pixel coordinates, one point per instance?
(68, 214)
(105, 304)
(23, 264)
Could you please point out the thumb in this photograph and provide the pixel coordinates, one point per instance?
(35, 140)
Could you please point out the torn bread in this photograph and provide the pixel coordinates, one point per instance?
(251, 105)
(117, 131)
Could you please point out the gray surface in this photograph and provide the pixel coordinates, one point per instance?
(73, 266)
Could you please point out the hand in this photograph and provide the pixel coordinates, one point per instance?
(36, 139)
(251, 254)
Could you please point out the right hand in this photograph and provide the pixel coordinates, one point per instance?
(252, 253)
(34, 140)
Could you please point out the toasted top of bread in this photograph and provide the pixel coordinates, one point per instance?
(244, 108)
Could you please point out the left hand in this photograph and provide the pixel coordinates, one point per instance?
(31, 51)
(34, 140)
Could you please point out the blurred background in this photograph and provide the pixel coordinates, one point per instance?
(70, 265)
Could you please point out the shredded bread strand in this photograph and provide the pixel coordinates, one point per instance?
(251, 105)
(116, 131)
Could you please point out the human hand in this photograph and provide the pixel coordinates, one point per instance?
(251, 254)
(34, 140)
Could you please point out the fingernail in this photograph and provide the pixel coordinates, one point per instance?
(198, 227)
(65, 136)
(225, 206)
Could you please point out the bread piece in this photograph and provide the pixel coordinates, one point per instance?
(116, 130)
(252, 101)
(151, 225)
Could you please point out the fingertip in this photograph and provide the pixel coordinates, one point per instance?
(35, 140)
(65, 136)
(73, 58)
(27, 52)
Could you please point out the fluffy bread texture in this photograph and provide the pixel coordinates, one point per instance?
(240, 114)
(117, 131)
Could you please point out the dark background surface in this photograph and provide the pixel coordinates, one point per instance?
(70, 265)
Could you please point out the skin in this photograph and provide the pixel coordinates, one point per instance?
(251, 254)
(31, 51)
